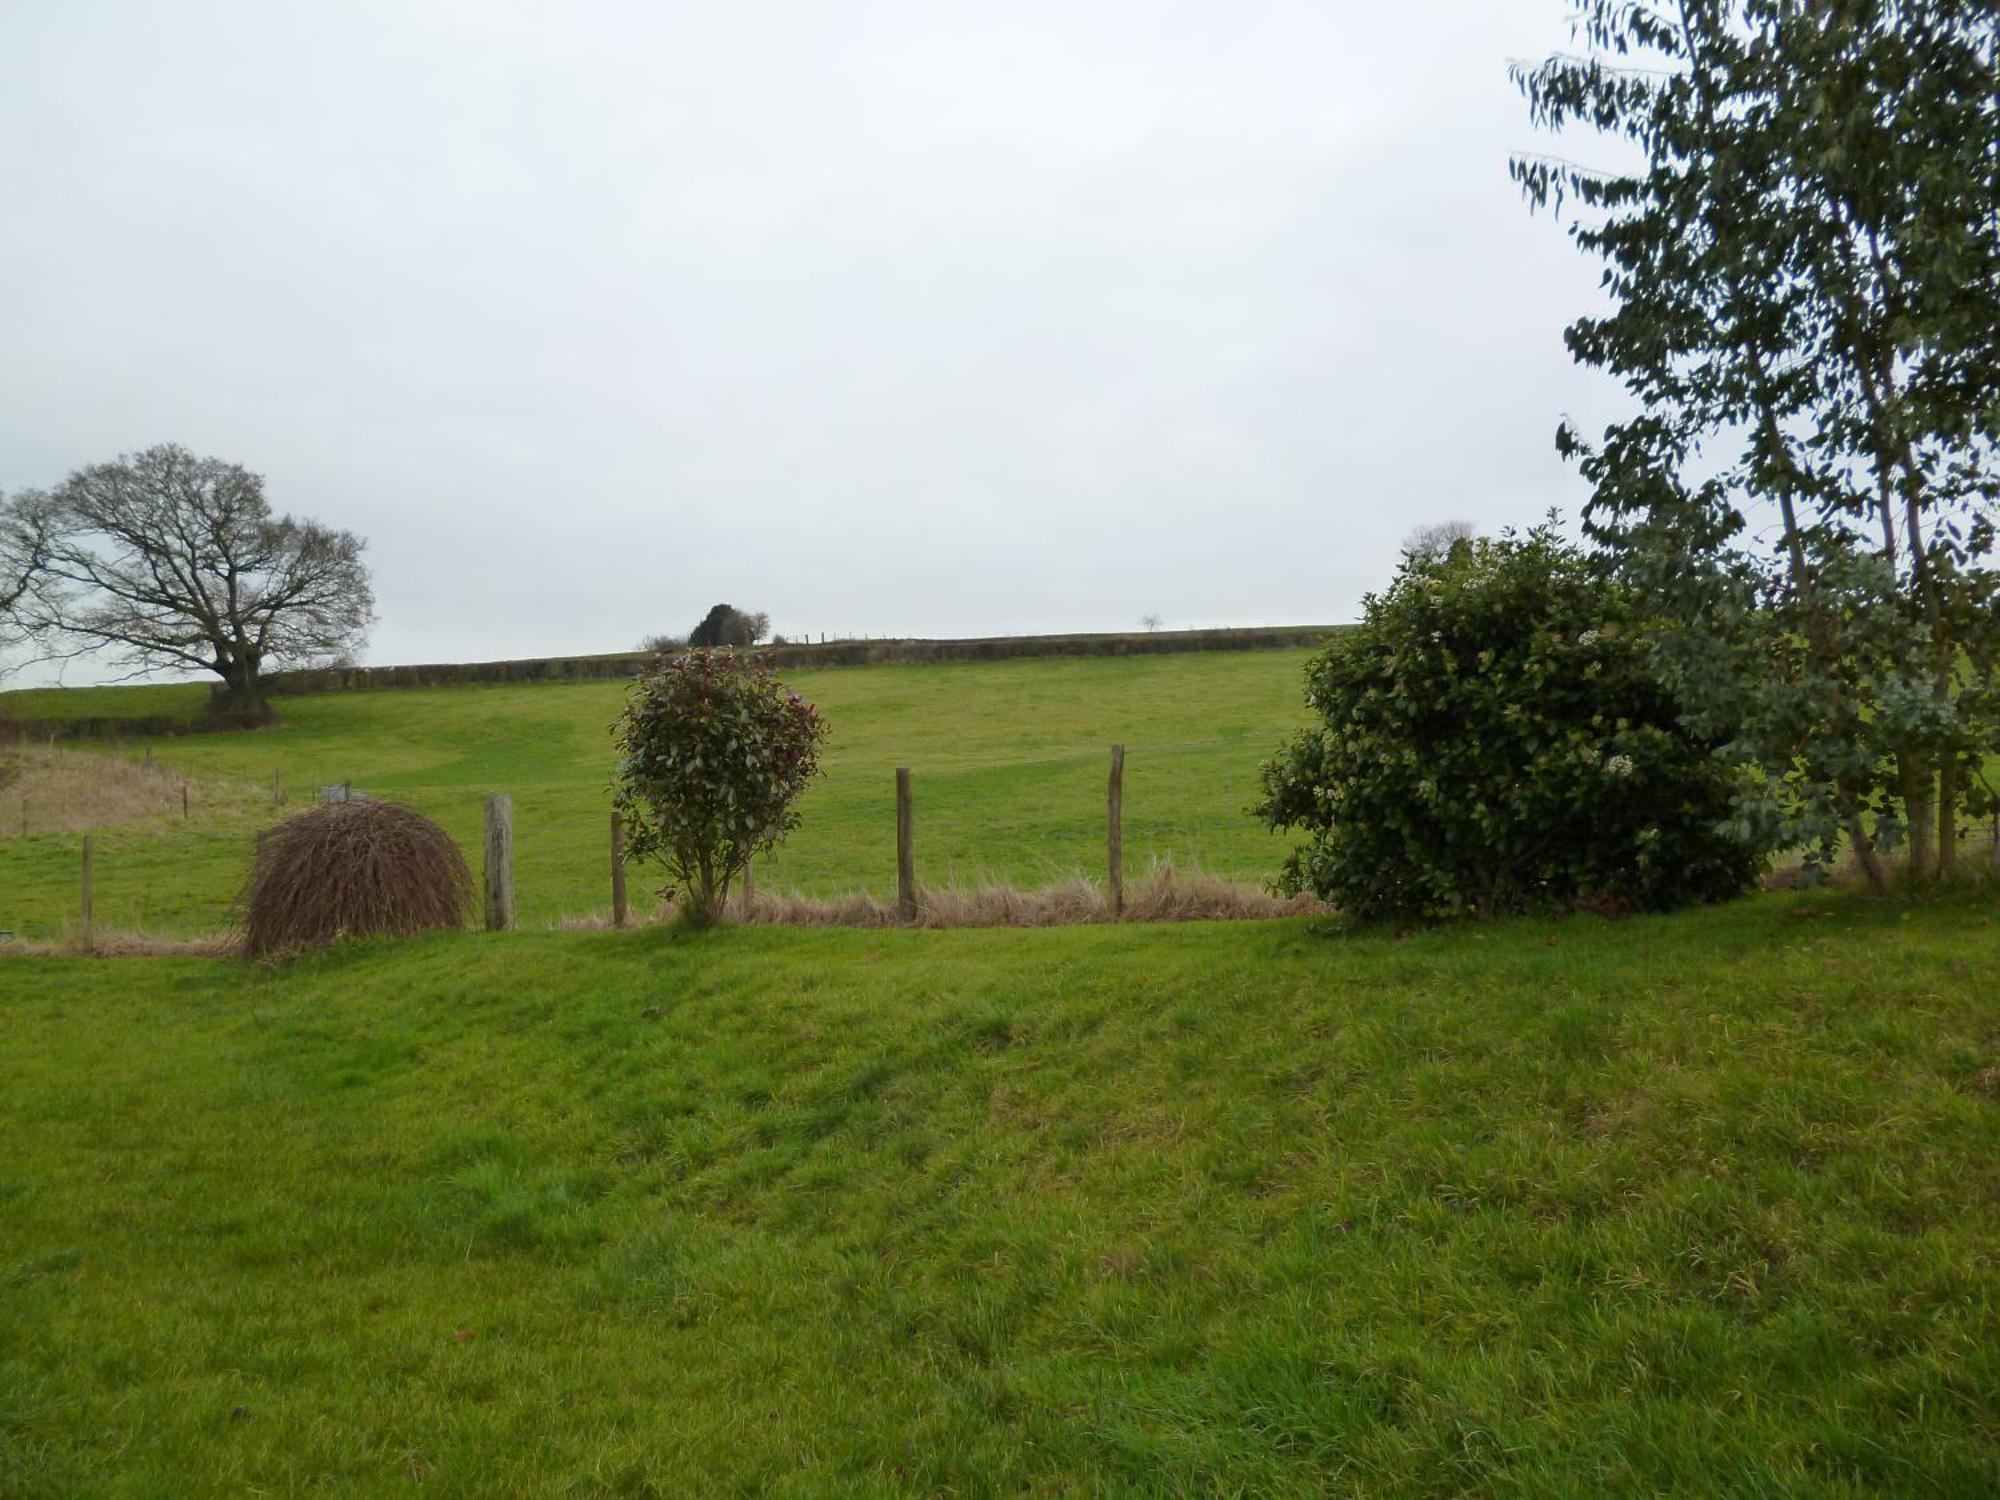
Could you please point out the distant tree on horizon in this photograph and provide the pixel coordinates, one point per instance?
(1433, 541)
(725, 625)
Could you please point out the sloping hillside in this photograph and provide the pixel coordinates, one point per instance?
(1698, 1204)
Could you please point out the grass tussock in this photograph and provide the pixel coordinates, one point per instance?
(45, 789)
(348, 869)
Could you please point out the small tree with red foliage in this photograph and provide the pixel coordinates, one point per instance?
(713, 753)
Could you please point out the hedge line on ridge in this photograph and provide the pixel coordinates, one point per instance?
(852, 653)
(845, 653)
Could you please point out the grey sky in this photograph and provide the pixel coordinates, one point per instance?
(900, 318)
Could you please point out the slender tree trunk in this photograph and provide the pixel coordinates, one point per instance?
(704, 901)
(1919, 810)
(1865, 854)
(1929, 589)
(1947, 817)
(1823, 649)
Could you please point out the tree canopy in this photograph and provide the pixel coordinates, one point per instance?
(1804, 274)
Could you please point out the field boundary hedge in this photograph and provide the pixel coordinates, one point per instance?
(201, 718)
(852, 653)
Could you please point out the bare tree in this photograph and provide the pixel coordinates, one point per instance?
(1437, 539)
(1151, 622)
(27, 524)
(164, 559)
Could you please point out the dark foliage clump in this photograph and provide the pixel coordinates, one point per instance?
(351, 869)
(725, 625)
(1492, 739)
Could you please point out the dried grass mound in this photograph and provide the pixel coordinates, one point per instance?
(350, 869)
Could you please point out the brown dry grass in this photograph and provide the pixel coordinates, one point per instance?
(125, 945)
(1164, 894)
(346, 869)
(54, 790)
(1978, 858)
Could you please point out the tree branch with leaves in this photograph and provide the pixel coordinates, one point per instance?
(1805, 287)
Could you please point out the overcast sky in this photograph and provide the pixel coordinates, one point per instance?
(921, 318)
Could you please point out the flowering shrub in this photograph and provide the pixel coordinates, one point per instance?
(713, 753)
(1493, 741)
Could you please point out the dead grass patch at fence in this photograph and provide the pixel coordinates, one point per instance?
(1978, 858)
(124, 945)
(1164, 894)
(54, 790)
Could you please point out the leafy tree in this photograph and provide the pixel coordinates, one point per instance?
(1492, 740)
(169, 560)
(713, 753)
(725, 625)
(1805, 287)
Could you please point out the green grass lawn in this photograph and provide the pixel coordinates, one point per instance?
(1009, 760)
(1702, 1204)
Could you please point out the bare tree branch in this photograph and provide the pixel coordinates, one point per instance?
(164, 559)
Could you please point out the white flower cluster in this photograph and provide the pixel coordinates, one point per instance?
(1619, 765)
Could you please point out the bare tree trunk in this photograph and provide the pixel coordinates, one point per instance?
(1947, 818)
(242, 689)
(704, 901)
(1919, 811)
(1865, 853)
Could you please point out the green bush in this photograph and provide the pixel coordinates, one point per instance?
(714, 752)
(1493, 741)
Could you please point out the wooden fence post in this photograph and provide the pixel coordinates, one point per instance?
(617, 869)
(906, 851)
(184, 801)
(499, 862)
(89, 894)
(277, 787)
(1117, 831)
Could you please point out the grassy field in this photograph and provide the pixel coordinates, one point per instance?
(1009, 758)
(1704, 1204)
(56, 705)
